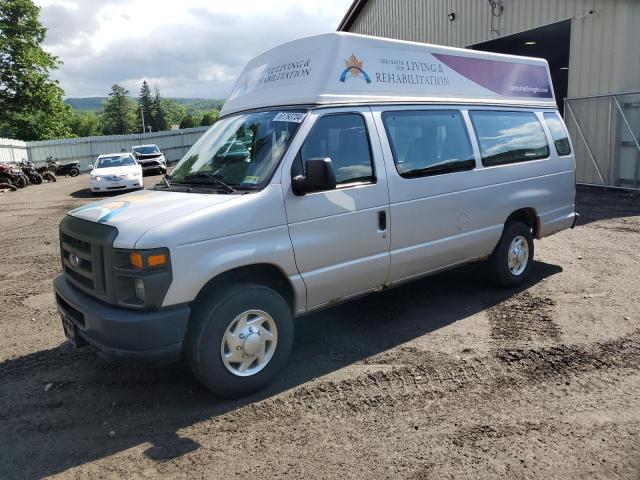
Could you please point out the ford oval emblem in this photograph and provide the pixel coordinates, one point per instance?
(74, 260)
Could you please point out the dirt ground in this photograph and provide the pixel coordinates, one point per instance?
(447, 377)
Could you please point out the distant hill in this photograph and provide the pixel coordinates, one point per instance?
(191, 104)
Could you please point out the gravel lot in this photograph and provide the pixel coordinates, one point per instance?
(447, 377)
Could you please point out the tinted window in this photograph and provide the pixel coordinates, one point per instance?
(507, 137)
(343, 138)
(428, 142)
(558, 133)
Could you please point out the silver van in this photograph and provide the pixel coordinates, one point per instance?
(341, 165)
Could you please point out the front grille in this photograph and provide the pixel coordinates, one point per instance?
(85, 249)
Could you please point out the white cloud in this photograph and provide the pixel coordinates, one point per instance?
(191, 48)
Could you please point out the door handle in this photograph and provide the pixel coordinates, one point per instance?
(382, 220)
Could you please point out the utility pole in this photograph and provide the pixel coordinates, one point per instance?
(142, 117)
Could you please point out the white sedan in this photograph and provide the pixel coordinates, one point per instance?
(115, 171)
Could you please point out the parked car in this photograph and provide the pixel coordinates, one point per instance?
(115, 171)
(326, 178)
(150, 158)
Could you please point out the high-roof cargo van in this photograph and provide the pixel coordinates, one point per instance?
(341, 165)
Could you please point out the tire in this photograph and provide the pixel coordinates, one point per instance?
(49, 177)
(22, 181)
(212, 319)
(36, 179)
(74, 172)
(5, 179)
(504, 275)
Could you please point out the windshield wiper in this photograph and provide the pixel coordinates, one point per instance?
(210, 178)
(166, 182)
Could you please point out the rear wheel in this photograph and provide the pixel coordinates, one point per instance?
(74, 172)
(239, 339)
(49, 177)
(36, 179)
(511, 261)
(5, 179)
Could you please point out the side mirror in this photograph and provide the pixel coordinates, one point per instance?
(90, 167)
(319, 176)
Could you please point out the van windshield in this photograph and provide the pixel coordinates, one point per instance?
(241, 151)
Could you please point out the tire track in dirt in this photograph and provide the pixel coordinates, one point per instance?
(524, 316)
(430, 381)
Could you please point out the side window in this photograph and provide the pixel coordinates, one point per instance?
(343, 138)
(428, 142)
(558, 133)
(508, 137)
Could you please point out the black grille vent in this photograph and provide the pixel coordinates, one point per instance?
(85, 248)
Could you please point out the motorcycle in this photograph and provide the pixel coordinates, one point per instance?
(30, 171)
(12, 176)
(72, 168)
(47, 174)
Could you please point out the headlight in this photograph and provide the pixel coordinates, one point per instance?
(95, 177)
(142, 277)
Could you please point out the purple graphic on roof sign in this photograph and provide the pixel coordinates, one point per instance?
(504, 78)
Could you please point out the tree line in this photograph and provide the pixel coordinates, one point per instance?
(32, 104)
(120, 114)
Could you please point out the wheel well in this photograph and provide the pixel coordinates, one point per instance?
(263, 274)
(527, 216)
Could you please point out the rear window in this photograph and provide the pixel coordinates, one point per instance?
(508, 137)
(558, 133)
(428, 142)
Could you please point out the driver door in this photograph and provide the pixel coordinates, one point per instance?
(340, 237)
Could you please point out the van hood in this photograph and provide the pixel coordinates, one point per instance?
(135, 213)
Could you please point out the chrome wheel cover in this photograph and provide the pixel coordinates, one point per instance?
(518, 255)
(249, 343)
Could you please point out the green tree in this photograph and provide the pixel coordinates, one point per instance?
(160, 121)
(209, 118)
(119, 115)
(84, 124)
(31, 105)
(187, 121)
(175, 111)
(145, 104)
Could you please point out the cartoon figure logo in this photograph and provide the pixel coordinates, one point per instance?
(102, 212)
(353, 69)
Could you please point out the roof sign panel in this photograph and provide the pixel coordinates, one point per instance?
(348, 68)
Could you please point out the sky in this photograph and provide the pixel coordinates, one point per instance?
(188, 48)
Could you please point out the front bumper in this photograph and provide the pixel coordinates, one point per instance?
(114, 186)
(117, 333)
(153, 165)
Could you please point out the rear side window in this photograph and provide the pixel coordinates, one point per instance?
(428, 142)
(343, 138)
(558, 133)
(508, 137)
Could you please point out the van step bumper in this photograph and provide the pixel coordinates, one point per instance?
(118, 334)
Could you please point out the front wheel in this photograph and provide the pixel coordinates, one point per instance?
(511, 261)
(239, 339)
(36, 179)
(49, 177)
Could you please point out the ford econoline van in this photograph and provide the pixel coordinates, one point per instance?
(340, 165)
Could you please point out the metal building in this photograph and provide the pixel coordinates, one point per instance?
(593, 50)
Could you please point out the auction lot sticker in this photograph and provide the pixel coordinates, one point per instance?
(296, 117)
